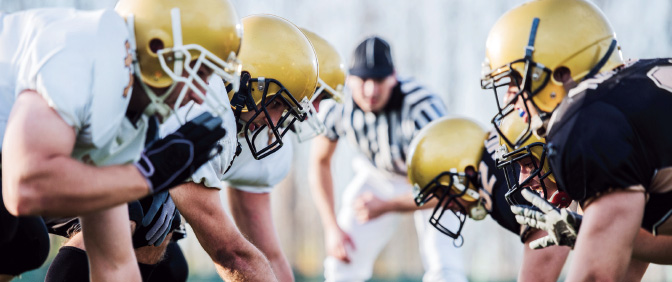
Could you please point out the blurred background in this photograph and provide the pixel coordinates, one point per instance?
(441, 44)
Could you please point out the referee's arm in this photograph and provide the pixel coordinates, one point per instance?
(322, 188)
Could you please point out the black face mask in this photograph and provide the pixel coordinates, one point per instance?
(511, 168)
(275, 130)
(534, 77)
(446, 196)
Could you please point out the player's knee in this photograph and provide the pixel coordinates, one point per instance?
(27, 250)
(8, 223)
(70, 264)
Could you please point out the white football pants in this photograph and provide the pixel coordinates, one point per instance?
(441, 260)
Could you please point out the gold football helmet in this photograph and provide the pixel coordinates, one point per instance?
(533, 152)
(279, 66)
(170, 37)
(330, 84)
(442, 163)
(533, 45)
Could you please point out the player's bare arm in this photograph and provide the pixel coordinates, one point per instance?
(109, 248)
(235, 258)
(542, 265)
(252, 214)
(597, 233)
(38, 144)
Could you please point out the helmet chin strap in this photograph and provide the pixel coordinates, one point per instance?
(602, 61)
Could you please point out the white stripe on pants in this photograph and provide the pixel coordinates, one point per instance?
(441, 260)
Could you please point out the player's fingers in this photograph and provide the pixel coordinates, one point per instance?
(529, 222)
(158, 225)
(159, 236)
(188, 127)
(211, 137)
(537, 201)
(542, 242)
(528, 212)
(157, 202)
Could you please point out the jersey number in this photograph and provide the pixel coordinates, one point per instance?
(662, 77)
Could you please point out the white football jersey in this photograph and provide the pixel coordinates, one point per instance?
(79, 61)
(260, 176)
(246, 173)
(210, 174)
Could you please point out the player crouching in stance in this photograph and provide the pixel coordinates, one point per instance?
(251, 181)
(551, 213)
(269, 90)
(83, 88)
(449, 163)
(603, 120)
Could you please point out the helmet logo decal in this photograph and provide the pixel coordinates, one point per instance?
(128, 60)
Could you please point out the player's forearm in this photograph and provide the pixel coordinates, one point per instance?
(613, 242)
(107, 237)
(252, 214)
(654, 249)
(246, 270)
(51, 186)
(544, 264)
(323, 194)
(235, 258)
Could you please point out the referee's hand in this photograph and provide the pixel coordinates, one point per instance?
(339, 244)
(369, 207)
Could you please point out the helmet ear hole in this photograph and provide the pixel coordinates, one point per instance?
(155, 45)
(562, 74)
(470, 171)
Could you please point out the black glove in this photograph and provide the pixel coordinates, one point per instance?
(157, 220)
(171, 160)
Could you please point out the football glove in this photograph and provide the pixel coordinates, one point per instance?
(156, 221)
(169, 161)
(562, 225)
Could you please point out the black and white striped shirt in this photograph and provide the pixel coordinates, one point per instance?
(384, 137)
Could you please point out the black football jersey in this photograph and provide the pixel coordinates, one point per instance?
(614, 131)
(494, 189)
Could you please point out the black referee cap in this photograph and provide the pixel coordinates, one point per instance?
(372, 59)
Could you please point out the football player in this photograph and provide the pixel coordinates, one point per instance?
(78, 91)
(450, 167)
(252, 181)
(265, 79)
(379, 119)
(602, 121)
(561, 224)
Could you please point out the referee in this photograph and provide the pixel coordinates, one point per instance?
(379, 117)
